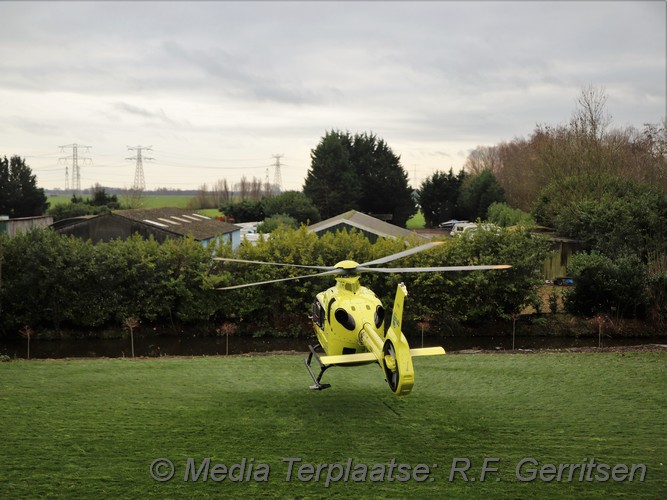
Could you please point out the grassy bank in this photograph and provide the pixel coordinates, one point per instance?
(92, 428)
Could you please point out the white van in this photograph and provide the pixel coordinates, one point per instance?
(462, 227)
(469, 228)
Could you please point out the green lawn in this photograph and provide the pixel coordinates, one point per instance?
(416, 221)
(92, 428)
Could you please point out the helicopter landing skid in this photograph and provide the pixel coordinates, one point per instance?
(317, 386)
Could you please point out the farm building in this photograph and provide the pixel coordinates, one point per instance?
(371, 227)
(19, 225)
(161, 223)
(557, 262)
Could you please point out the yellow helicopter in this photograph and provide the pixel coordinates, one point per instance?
(349, 319)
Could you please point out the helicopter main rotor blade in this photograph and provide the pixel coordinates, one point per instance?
(404, 253)
(257, 283)
(399, 270)
(243, 261)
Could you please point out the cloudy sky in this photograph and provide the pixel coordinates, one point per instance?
(218, 88)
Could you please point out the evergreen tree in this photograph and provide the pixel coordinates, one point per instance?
(358, 173)
(384, 182)
(19, 194)
(331, 182)
(478, 193)
(438, 197)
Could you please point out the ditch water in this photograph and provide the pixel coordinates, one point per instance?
(210, 346)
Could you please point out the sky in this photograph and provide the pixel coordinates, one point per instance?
(219, 89)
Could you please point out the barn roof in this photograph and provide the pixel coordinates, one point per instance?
(178, 221)
(363, 222)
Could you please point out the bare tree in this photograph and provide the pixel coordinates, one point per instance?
(131, 323)
(203, 199)
(220, 192)
(256, 188)
(243, 188)
(134, 198)
(483, 158)
(268, 189)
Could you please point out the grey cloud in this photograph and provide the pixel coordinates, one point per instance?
(424, 73)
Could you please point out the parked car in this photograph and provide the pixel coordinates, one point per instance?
(449, 225)
(564, 281)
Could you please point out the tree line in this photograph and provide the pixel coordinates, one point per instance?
(605, 187)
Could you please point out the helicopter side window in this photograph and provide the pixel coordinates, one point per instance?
(318, 313)
(345, 319)
(379, 316)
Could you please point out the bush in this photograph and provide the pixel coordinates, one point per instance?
(52, 281)
(478, 296)
(503, 215)
(272, 223)
(604, 286)
(295, 204)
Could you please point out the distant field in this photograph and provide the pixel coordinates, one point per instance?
(152, 201)
(92, 428)
(158, 201)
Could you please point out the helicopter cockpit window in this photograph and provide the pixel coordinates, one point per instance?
(318, 313)
(379, 316)
(345, 319)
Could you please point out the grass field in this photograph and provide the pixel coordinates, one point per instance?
(149, 201)
(416, 221)
(92, 428)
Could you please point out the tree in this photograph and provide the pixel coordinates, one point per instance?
(273, 222)
(438, 197)
(102, 198)
(358, 173)
(331, 182)
(584, 147)
(384, 182)
(293, 203)
(483, 158)
(221, 192)
(244, 211)
(611, 215)
(19, 194)
(478, 193)
(503, 215)
(609, 286)
(100, 203)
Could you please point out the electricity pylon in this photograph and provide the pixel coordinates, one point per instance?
(139, 180)
(76, 169)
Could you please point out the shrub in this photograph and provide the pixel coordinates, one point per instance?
(604, 286)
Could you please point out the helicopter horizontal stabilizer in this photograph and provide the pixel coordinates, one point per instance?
(427, 351)
(362, 357)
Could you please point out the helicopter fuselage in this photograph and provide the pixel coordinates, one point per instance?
(343, 313)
